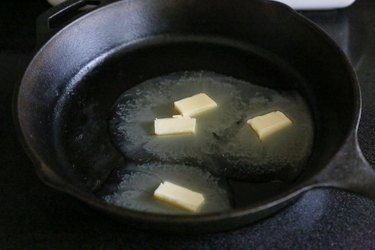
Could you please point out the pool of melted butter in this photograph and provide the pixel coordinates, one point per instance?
(224, 148)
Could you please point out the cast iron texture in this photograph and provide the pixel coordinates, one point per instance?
(46, 96)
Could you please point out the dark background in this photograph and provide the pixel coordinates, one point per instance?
(33, 216)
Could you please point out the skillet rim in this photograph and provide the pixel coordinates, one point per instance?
(45, 173)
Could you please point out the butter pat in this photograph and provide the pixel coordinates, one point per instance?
(179, 196)
(175, 125)
(195, 104)
(268, 124)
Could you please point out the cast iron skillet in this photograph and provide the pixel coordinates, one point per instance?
(252, 40)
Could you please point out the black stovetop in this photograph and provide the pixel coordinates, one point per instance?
(35, 216)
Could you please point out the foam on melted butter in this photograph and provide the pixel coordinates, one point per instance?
(223, 143)
(136, 190)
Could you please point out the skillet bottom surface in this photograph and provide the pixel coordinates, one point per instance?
(84, 135)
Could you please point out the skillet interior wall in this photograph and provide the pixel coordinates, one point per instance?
(54, 75)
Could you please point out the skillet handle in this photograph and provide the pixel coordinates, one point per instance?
(350, 171)
(57, 17)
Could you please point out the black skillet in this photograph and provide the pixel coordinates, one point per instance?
(239, 38)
